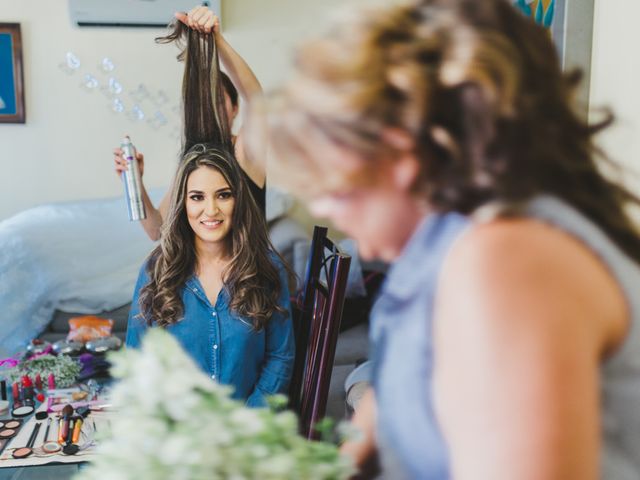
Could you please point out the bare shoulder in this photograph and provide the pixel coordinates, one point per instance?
(528, 269)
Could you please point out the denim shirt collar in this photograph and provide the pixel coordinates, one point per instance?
(194, 286)
(407, 274)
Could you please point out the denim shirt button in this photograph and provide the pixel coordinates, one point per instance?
(213, 313)
(215, 347)
(213, 377)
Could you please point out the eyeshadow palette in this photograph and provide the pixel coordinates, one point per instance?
(8, 430)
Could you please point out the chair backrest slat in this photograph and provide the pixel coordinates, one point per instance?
(317, 329)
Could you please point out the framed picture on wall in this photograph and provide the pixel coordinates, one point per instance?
(11, 77)
(570, 24)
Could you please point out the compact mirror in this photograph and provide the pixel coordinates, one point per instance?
(51, 447)
(22, 411)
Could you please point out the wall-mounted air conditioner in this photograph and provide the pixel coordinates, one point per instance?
(130, 13)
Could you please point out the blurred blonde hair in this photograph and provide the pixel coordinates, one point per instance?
(475, 85)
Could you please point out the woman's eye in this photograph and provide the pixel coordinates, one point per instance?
(196, 198)
(225, 195)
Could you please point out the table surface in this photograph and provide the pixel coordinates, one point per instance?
(41, 472)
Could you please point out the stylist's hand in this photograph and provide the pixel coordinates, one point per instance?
(121, 163)
(200, 18)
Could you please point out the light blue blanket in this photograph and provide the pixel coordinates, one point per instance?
(78, 257)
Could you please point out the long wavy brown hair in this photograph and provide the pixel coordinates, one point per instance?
(479, 89)
(251, 279)
(203, 84)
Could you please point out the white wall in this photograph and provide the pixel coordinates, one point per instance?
(63, 151)
(615, 80)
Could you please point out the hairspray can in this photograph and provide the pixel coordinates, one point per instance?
(132, 182)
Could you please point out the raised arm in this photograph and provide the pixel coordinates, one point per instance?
(242, 77)
(206, 21)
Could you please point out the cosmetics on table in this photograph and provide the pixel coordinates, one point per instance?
(8, 430)
(20, 410)
(26, 451)
(65, 421)
(64, 437)
(4, 403)
(49, 446)
(77, 427)
(28, 393)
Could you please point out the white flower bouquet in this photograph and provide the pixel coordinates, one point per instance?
(173, 422)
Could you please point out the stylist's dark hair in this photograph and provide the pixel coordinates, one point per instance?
(205, 118)
(251, 280)
(479, 89)
(230, 88)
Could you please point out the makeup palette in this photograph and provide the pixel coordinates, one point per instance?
(8, 430)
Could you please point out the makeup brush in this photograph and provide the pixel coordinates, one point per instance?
(67, 412)
(46, 432)
(77, 427)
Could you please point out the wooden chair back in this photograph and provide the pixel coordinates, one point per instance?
(316, 329)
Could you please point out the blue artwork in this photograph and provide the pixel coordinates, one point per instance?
(541, 15)
(7, 85)
(523, 6)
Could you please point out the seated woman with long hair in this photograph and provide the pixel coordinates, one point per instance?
(216, 283)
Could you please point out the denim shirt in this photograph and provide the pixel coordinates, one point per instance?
(408, 435)
(224, 344)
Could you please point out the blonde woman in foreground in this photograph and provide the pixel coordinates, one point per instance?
(441, 136)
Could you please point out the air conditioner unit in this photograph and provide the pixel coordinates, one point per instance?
(130, 13)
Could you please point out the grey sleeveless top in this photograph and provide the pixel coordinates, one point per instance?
(411, 445)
